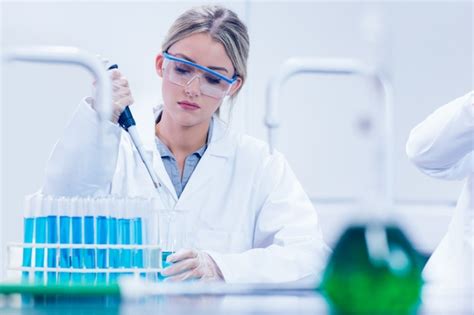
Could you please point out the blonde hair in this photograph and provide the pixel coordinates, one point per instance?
(223, 25)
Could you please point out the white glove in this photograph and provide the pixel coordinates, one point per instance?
(121, 94)
(191, 264)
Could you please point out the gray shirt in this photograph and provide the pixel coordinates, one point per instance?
(190, 162)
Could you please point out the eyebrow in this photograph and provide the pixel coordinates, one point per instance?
(210, 67)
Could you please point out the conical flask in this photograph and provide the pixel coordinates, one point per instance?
(374, 269)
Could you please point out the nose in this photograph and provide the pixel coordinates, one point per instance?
(193, 87)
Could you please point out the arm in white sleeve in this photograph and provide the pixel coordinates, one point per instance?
(83, 161)
(442, 145)
(288, 243)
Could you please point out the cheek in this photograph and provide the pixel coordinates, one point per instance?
(170, 91)
(213, 105)
(209, 104)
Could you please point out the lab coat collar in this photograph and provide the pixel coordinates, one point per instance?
(219, 149)
(218, 146)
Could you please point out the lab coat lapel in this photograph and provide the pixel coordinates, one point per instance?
(160, 169)
(212, 162)
(149, 144)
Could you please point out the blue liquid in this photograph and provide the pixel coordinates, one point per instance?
(114, 258)
(165, 264)
(138, 240)
(101, 253)
(27, 239)
(124, 232)
(77, 257)
(89, 254)
(52, 226)
(40, 238)
(64, 253)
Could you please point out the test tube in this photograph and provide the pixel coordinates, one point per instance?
(28, 230)
(124, 233)
(151, 234)
(140, 205)
(64, 206)
(165, 219)
(77, 206)
(114, 254)
(102, 235)
(40, 237)
(89, 239)
(137, 232)
(52, 235)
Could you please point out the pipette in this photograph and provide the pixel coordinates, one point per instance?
(127, 122)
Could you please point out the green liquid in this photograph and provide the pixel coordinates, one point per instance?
(355, 283)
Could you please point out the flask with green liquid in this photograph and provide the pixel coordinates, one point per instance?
(374, 269)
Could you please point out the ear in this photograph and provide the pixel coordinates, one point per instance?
(236, 86)
(159, 65)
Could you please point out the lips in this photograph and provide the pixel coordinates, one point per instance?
(188, 105)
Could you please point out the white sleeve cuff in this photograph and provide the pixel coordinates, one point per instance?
(220, 261)
(86, 109)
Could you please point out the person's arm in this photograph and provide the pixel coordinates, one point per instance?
(442, 145)
(288, 244)
(83, 161)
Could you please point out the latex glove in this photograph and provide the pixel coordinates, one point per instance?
(121, 94)
(191, 264)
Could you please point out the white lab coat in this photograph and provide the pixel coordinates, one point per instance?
(245, 206)
(442, 146)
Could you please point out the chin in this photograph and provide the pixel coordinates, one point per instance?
(189, 119)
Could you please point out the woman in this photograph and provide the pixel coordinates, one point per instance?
(442, 146)
(252, 221)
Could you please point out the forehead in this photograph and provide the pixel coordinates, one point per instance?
(204, 50)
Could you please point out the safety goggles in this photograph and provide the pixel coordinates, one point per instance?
(182, 72)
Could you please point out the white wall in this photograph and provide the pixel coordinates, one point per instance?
(427, 48)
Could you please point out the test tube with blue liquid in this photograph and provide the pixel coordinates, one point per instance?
(166, 243)
(77, 261)
(89, 240)
(52, 228)
(28, 230)
(65, 210)
(114, 253)
(39, 238)
(102, 226)
(138, 211)
(124, 229)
